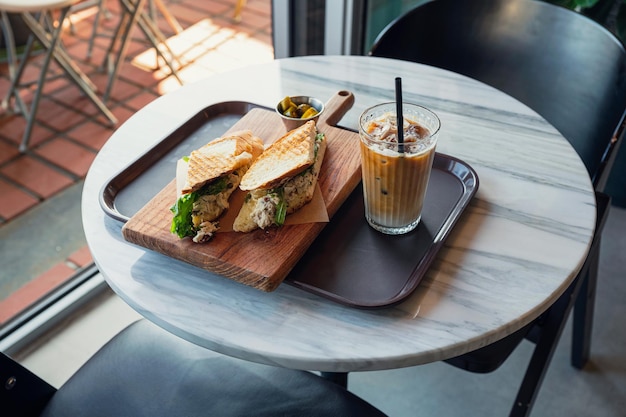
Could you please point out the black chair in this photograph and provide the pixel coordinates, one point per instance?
(145, 371)
(571, 71)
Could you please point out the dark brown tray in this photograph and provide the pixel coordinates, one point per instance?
(353, 264)
(349, 262)
(130, 189)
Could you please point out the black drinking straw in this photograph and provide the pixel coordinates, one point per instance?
(399, 118)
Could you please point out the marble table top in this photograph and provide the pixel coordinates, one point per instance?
(519, 244)
(20, 6)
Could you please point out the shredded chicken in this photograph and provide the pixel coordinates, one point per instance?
(265, 210)
(205, 232)
(209, 207)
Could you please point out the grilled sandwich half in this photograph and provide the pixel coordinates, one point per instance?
(212, 173)
(282, 179)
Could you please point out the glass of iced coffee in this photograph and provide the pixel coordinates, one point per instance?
(395, 175)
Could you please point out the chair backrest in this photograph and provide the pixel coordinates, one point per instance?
(566, 67)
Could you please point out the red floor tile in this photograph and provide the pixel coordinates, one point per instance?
(140, 100)
(79, 51)
(122, 90)
(91, 134)
(260, 6)
(14, 201)
(72, 97)
(33, 291)
(7, 151)
(122, 113)
(253, 19)
(208, 7)
(81, 257)
(200, 8)
(139, 76)
(55, 80)
(57, 116)
(98, 54)
(4, 82)
(31, 72)
(13, 128)
(26, 94)
(36, 176)
(138, 44)
(85, 65)
(67, 155)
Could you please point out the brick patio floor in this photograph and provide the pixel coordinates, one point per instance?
(69, 130)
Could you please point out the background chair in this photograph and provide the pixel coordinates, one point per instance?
(45, 20)
(133, 14)
(571, 71)
(145, 371)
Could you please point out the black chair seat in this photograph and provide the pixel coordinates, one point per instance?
(145, 371)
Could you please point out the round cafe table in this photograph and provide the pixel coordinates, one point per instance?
(517, 247)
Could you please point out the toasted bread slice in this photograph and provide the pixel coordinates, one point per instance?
(259, 208)
(220, 157)
(286, 157)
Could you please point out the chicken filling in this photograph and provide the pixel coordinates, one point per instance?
(273, 205)
(210, 205)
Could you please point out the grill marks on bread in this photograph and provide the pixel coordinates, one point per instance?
(221, 157)
(286, 157)
(261, 204)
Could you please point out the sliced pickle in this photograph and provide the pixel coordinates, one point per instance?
(309, 113)
(291, 112)
(297, 111)
(285, 104)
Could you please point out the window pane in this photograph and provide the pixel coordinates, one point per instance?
(42, 244)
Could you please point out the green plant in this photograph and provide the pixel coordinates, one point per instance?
(576, 4)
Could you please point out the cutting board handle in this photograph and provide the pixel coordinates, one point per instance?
(336, 107)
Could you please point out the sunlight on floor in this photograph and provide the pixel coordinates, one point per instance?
(203, 49)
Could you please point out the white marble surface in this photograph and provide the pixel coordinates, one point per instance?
(20, 6)
(518, 246)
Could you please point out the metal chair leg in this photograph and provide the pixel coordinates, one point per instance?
(580, 295)
(42, 77)
(583, 316)
(169, 18)
(7, 32)
(48, 35)
(50, 41)
(134, 13)
(62, 58)
(94, 31)
(15, 73)
(546, 345)
(585, 302)
(238, 8)
(129, 21)
(158, 41)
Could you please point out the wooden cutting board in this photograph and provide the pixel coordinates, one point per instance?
(263, 258)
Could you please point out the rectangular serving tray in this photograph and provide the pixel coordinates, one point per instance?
(345, 261)
(353, 264)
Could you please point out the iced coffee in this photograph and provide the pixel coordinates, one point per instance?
(395, 175)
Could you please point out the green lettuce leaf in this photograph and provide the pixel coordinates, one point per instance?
(281, 208)
(182, 225)
(215, 187)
